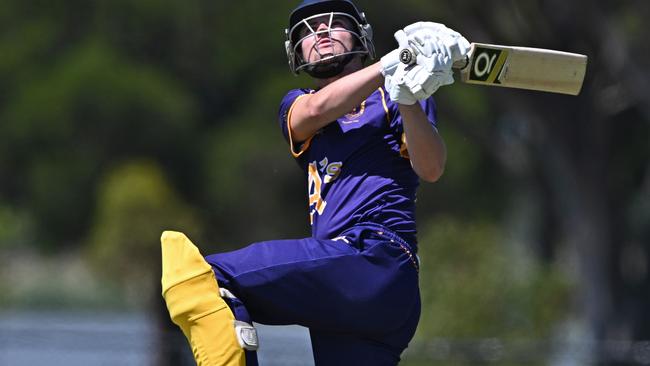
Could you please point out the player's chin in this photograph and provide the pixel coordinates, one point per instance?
(323, 59)
(328, 57)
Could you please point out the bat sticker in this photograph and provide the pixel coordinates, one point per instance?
(488, 65)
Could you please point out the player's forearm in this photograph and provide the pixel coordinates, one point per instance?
(426, 148)
(317, 110)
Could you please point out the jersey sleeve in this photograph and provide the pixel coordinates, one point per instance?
(286, 107)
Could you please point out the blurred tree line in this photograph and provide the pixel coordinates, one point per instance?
(121, 118)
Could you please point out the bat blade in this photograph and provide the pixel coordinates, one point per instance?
(524, 68)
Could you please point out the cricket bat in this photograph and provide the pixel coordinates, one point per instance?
(520, 67)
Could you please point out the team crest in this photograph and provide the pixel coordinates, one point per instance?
(354, 115)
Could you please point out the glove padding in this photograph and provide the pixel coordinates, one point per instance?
(418, 36)
(389, 62)
(436, 48)
(422, 79)
(396, 88)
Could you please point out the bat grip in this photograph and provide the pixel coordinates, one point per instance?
(408, 56)
(461, 64)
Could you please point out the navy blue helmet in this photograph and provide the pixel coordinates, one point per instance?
(299, 26)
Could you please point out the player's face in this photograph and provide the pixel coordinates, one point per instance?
(323, 44)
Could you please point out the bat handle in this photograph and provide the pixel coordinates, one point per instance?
(461, 64)
(408, 56)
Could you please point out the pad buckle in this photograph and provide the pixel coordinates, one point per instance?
(246, 335)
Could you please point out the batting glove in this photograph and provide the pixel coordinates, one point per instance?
(390, 62)
(417, 37)
(397, 90)
(429, 73)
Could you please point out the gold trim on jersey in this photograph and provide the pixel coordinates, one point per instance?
(403, 149)
(383, 102)
(305, 145)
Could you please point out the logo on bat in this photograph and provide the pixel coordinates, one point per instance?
(488, 65)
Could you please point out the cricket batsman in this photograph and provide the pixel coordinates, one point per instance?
(364, 136)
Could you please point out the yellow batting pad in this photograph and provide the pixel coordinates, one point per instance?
(191, 292)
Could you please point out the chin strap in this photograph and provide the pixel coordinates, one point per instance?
(329, 69)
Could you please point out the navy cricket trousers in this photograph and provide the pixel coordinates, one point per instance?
(358, 294)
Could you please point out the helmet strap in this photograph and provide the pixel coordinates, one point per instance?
(329, 69)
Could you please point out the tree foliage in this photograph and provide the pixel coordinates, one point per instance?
(135, 205)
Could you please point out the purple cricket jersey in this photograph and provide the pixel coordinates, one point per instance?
(358, 169)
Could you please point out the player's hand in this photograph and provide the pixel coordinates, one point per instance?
(389, 63)
(397, 90)
(421, 82)
(433, 49)
(410, 83)
(418, 37)
(421, 38)
(429, 73)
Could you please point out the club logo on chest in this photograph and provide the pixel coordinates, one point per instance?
(356, 113)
